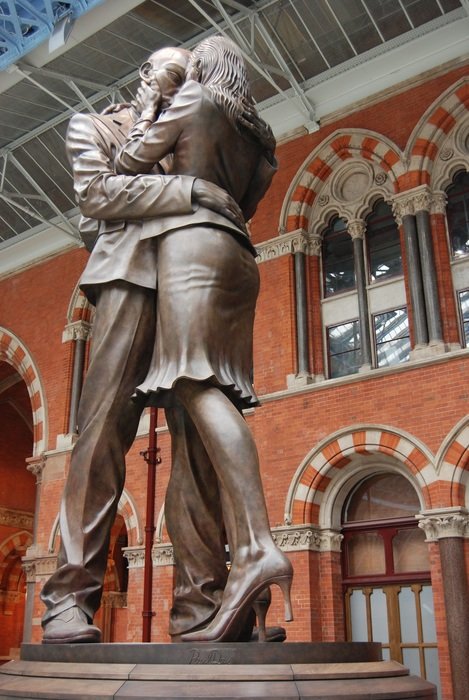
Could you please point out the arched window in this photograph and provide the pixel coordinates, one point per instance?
(463, 298)
(457, 212)
(383, 243)
(386, 577)
(337, 259)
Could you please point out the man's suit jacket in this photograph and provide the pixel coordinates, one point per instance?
(205, 144)
(118, 209)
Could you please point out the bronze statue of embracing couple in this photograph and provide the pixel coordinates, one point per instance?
(165, 185)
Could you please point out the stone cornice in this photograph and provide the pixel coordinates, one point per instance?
(38, 566)
(306, 538)
(162, 555)
(441, 523)
(298, 241)
(16, 518)
(302, 538)
(114, 599)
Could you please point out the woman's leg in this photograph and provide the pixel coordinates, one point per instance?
(256, 561)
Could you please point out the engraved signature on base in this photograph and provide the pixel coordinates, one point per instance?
(212, 656)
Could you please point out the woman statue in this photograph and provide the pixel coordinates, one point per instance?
(208, 284)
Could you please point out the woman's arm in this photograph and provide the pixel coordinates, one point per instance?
(148, 141)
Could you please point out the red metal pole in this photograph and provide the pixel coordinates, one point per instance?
(151, 458)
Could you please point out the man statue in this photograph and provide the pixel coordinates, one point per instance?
(120, 280)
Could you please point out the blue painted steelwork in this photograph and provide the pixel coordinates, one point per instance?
(24, 24)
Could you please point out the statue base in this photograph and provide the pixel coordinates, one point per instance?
(296, 671)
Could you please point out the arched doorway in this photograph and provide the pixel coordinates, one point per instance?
(386, 573)
(17, 504)
(112, 615)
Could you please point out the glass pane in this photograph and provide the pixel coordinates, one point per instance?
(380, 497)
(386, 652)
(421, 11)
(358, 616)
(357, 24)
(326, 31)
(383, 243)
(410, 551)
(457, 212)
(389, 16)
(379, 616)
(337, 259)
(411, 659)
(365, 554)
(428, 614)
(392, 337)
(464, 306)
(432, 668)
(344, 349)
(408, 615)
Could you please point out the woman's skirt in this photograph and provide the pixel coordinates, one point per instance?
(207, 288)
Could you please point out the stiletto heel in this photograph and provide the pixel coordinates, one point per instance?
(260, 607)
(247, 584)
(285, 586)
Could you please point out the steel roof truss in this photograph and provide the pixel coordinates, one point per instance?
(304, 105)
(44, 196)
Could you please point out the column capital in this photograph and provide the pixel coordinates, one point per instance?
(36, 465)
(356, 228)
(79, 330)
(441, 523)
(315, 244)
(439, 201)
(135, 556)
(420, 198)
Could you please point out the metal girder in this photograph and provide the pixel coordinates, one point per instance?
(34, 214)
(231, 22)
(12, 198)
(24, 24)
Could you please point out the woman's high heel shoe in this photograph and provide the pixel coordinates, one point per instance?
(243, 589)
(260, 607)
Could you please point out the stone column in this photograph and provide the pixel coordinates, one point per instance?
(448, 526)
(299, 245)
(356, 229)
(35, 465)
(315, 249)
(403, 209)
(422, 205)
(80, 332)
(299, 256)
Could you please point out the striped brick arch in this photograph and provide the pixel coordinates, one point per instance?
(452, 464)
(16, 354)
(79, 308)
(126, 508)
(432, 131)
(320, 166)
(11, 551)
(341, 454)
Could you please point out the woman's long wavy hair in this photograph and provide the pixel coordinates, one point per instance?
(218, 64)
